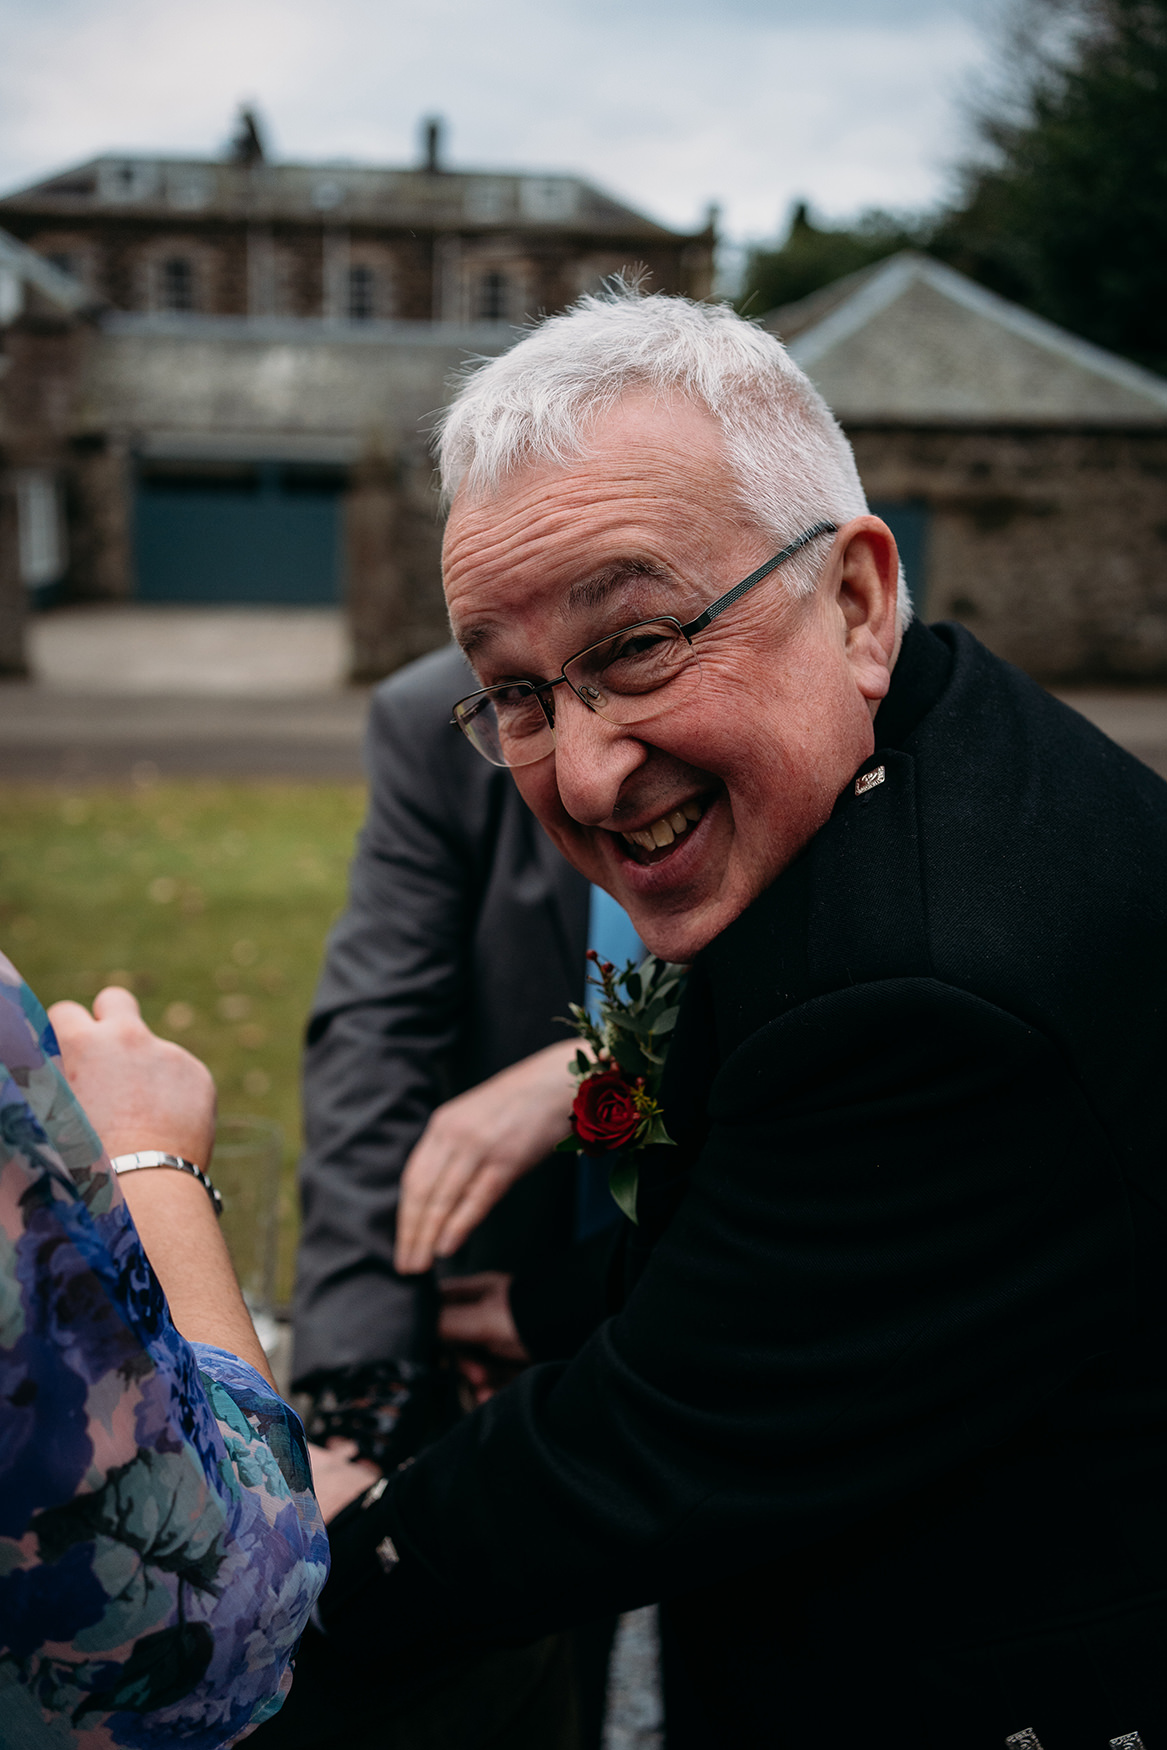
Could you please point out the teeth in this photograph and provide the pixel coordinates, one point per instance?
(661, 833)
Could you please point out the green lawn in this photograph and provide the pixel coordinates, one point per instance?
(211, 901)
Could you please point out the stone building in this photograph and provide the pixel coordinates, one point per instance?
(257, 351)
(1023, 471)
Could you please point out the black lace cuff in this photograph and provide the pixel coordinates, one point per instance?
(387, 1407)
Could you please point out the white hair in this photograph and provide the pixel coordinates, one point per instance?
(538, 402)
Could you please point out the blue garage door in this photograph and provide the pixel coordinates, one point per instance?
(264, 532)
(908, 521)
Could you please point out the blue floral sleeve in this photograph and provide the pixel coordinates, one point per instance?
(160, 1546)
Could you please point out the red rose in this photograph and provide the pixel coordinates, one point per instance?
(604, 1114)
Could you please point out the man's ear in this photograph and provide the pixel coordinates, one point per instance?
(868, 591)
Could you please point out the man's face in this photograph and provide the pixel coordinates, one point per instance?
(751, 760)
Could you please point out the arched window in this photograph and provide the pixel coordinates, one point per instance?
(492, 297)
(177, 289)
(362, 294)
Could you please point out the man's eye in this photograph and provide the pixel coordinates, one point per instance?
(634, 645)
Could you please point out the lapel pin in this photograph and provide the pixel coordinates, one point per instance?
(865, 782)
(1128, 1741)
(1024, 1740)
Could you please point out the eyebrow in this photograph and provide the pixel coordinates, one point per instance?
(589, 592)
(594, 591)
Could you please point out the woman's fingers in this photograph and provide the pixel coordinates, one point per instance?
(115, 1003)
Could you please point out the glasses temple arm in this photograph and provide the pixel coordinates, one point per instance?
(735, 594)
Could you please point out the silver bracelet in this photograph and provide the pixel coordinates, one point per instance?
(152, 1157)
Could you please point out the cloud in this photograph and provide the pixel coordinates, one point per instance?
(668, 103)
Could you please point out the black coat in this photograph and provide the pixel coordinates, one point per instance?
(463, 938)
(883, 1412)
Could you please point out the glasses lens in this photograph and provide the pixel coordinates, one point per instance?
(507, 726)
(619, 677)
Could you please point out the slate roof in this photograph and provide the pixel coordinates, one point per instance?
(199, 188)
(910, 341)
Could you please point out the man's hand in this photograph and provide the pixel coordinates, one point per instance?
(475, 1147)
(476, 1316)
(338, 1475)
(138, 1091)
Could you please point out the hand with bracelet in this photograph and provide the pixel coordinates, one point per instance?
(147, 1095)
(142, 1093)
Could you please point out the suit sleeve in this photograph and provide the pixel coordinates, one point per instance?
(904, 1233)
(382, 1036)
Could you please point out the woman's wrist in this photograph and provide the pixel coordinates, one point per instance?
(147, 1160)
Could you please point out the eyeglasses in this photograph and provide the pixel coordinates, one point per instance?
(620, 677)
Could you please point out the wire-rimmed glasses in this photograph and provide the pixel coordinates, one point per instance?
(513, 724)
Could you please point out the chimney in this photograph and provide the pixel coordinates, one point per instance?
(247, 142)
(431, 132)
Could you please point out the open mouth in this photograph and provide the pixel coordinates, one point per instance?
(652, 843)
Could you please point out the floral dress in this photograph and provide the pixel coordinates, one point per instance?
(160, 1547)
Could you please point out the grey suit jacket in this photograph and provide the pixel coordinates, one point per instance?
(463, 939)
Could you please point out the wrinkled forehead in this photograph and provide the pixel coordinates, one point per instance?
(648, 507)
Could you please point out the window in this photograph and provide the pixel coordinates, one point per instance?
(362, 294)
(492, 297)
(39, 528)
(177, 284)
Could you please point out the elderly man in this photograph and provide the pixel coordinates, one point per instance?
(880, 1409)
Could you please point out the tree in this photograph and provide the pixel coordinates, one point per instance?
(814, 255)
(1064, 210)
(1068, 214)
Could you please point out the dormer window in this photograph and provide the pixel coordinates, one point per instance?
(493, 297)
(362, 294)
(177, 284)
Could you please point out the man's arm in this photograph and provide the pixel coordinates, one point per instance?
(904, 1233)
(385, 1025)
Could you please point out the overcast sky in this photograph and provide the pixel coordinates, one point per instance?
(670, 104)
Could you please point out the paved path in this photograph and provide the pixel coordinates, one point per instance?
(208, 652)
(136, 693)
(77, 738)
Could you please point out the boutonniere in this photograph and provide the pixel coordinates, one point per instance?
(616, 1109)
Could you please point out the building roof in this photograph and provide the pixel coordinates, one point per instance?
(23, 270)
(910, 341)
(202, 188)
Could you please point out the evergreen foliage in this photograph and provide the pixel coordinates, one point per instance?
(815, 255)
(1066, 209)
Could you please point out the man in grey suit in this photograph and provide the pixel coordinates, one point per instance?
(463, 939)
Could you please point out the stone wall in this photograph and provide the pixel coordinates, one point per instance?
(1050, 545)
(41, 367)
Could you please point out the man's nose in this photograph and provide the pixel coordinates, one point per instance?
(593, 759)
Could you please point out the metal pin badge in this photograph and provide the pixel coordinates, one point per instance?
(1128, 1741)
(864, 782)
(386, 1554)
(1024, 1740)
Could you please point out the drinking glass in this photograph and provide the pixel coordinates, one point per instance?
(246, 1169)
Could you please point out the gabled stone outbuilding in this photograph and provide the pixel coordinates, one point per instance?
(1023, 471)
